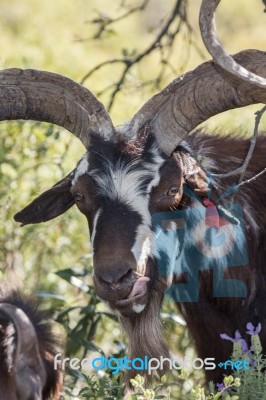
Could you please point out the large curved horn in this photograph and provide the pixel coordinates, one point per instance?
(49, 97)
(200, 94)
(215, 47)
(28, 368)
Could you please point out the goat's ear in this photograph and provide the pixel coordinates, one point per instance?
(48, 205)
(193, 174)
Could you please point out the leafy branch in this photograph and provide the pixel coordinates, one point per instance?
(163, 42)
(104, 22)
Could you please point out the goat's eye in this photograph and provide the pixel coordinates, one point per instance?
(78, 197)
(173, 191)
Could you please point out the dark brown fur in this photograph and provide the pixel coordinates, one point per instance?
(209, 316)
(49, 343)
(212, 316)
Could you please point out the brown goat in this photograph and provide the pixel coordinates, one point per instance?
(27, 350)
(152, 169)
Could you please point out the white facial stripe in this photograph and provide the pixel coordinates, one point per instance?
(157, 158)
(95, 221)
(143, 247)
(154, 182)
(82, 168)
(123, 182)
(144, 242)
(141, 206)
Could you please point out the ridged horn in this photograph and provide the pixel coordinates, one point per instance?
(215, 47)
(45, 96)
(210, 89)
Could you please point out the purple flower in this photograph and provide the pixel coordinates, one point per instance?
(233, 340)
(251, 330)
(220, 386)
(237, 339)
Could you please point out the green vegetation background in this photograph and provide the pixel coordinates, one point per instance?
(57, 36)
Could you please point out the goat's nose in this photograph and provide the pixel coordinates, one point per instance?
(116, 277)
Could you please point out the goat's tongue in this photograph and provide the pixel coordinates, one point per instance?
(139, 287)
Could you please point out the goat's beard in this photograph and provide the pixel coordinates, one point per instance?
(144, 332)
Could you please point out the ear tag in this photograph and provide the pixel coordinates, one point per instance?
(212, 218)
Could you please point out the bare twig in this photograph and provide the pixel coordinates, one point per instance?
(242, 170)
(167, 32)
(155, 44)
(99, 66)
(253, 140)
(104, 21)
(252, 179)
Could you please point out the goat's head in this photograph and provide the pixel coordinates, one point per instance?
(128, 175)
(118, 186)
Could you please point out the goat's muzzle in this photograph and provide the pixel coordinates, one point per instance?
(126, 293)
